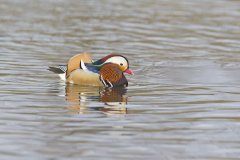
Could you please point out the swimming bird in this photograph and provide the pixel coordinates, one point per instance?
(107, 71)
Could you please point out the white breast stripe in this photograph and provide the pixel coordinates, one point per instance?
(103, 81)
(111, 85)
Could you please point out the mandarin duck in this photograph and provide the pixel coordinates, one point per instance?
(107, 71)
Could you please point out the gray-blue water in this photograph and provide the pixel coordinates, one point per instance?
(182, 103)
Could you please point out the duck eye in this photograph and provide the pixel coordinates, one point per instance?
(121, 64)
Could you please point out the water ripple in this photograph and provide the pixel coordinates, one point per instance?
(182, 103)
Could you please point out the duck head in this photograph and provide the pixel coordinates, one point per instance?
(116, 59)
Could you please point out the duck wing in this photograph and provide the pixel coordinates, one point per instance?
(75, 62)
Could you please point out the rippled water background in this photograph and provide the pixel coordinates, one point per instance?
(182, 103)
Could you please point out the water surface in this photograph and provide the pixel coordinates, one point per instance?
(182, 103)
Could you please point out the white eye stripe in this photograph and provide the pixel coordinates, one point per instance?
(118, 60)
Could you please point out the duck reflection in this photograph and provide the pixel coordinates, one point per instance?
(113, 100)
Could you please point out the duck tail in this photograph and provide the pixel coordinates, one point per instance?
(58, 70)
